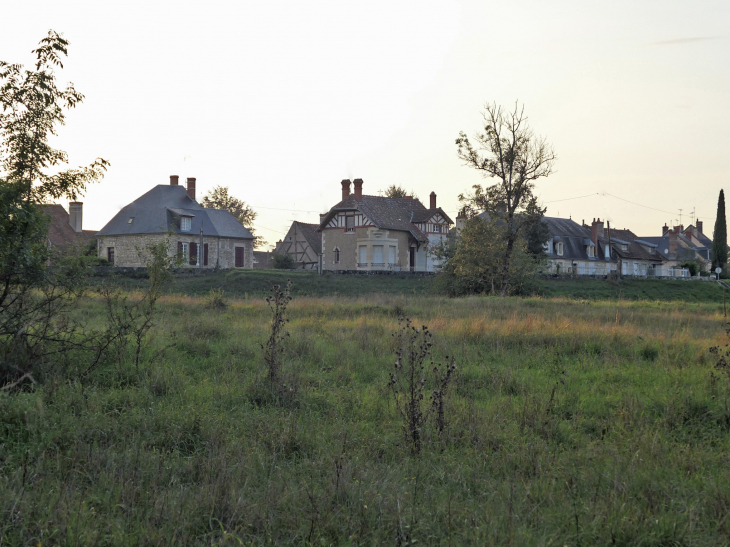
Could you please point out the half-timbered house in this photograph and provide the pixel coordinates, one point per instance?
(369, 233)
(303, 243)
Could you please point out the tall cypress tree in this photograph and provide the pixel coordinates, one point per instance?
(719, 236)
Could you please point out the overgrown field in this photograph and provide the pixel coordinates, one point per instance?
(569, 423)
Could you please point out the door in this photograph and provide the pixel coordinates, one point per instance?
(239, 257)
(412, 258)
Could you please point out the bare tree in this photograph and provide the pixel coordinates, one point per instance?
(508, 150)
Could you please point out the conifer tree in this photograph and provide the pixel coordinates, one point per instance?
(719, 235)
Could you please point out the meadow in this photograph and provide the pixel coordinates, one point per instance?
(569, 422)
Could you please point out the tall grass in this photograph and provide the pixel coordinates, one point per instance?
(570, 423)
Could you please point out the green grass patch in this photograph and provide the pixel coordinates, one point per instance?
(570, 422)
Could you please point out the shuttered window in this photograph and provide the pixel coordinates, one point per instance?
(205, 254)
(193, 253)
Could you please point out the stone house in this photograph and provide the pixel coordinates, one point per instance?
(202, 237)
(303, 243)
(597, 250)
(678, 245)
(373, 233)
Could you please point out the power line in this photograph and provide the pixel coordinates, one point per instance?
(577, 197)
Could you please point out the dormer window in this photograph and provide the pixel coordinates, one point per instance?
(559, 248)
(624, 247)
(591, 251)
(186, 224)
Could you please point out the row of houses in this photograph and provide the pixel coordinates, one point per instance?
(597, 249)
(360, 233)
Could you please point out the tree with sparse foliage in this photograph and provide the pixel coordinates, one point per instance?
(508, 150)
(32, 296)
(397, 191)
(719, 235)
(220, 198)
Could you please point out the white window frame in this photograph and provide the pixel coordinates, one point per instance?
(559, 248)
(185, 251)
(591, 251)
(437, 228)
(186, 224)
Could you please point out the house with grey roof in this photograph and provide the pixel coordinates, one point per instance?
(597, 249)
(303, 243)
(371, 233)
(678, 245)
(202, 237)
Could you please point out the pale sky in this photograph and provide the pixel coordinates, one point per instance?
(281, 100)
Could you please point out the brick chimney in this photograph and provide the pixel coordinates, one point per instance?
(678, 229)
(191, 188)
(345, 188)
(665, 228)
(596, 231)
(358, 189)
(75, 215)
(174, 180)
(672, 241)
(699, 226)
(433, 200)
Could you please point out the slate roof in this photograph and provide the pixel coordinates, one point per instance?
(682, 253)
(635, 251)
(60, 233)
(159, 211)
(388, 213)
(309, 231)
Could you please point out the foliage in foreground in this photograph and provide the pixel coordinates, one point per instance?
(570, 423)
(35, 301)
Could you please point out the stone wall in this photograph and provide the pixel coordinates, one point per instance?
(130, 251)
(348, 242)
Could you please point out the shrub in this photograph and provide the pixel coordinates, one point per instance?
(283, 261)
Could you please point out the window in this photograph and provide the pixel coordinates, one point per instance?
(624, 247)
(337, 255)
(193, 253)
(205, 254)
(559, 248)
(130, 220)
(183, 250)
(377, 255)
(591, 251)
(110, 255)
(350, 223)
(437, 228)
(391, 254)
(239, 257)
(362, 255)
(186, 224)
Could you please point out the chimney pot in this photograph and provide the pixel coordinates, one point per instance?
(75, 215)
(433, 200)
(345, 188)
(174, 179)
(358, 189)
(191, 187)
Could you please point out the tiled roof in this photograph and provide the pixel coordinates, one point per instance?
(60, 233)
(309, 231)
(388, 213)
(158, 211)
